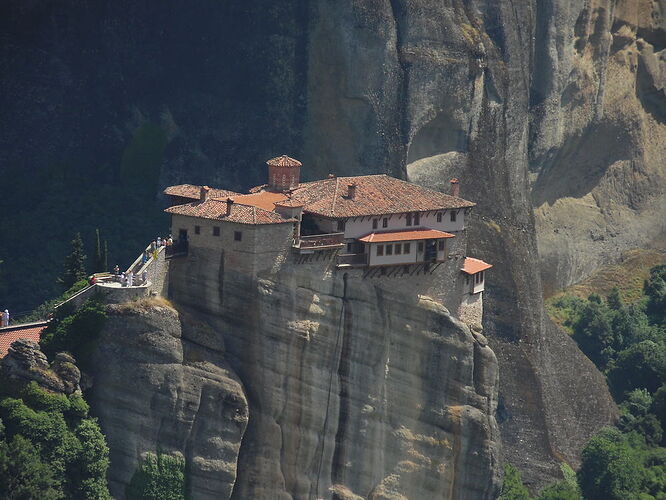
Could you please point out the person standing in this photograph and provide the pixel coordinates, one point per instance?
(116, 270)
(144, 277)
(130, 279)
(5, 318)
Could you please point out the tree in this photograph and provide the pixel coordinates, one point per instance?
(513, 487)
(659, 407)
(641, 366)
(75, 267)
(559, 491)
(636, 416)
(655, 290)
(23, 475)
(98, 264)
(159, 477)
(611, 469)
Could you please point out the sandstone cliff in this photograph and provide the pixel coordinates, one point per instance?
(353, 390)
(153, 389)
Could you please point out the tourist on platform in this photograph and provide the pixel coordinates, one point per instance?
(116, 270)
(5, 318)
(153, 246)
(159, 241)
(144, 257)
(123, 279)
(170, 240)
(144, 277)
(130, 279)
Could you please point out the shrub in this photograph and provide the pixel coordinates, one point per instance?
(159, 477)
(513, 487)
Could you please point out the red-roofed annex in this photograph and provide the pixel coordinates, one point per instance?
(10, 334)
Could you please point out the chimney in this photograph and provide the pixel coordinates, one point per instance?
(203, 194)
(351, 191)
(455, 188)
(229, 203)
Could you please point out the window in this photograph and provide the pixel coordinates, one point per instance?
(398, 248)
(375, 223)
(477, 277)
(406, 248)
(238, 235)
(453, 216)
(380, 250)
(416, 219)
(441, 245)
(439, 216)
(182, 234)
(341, 226)
(197, 229)
(420, 246)
(389, 249)
(467, 279)
(385, 222)
(408, 218)
(216, 230)
(482, 276)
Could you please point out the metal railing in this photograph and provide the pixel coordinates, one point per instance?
(321, 240)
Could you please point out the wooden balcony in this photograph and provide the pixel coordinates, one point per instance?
(352, 260)
(316, 242)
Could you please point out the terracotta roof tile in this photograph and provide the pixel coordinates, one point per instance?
(265, 199)
(473, 266)
(217, 209)
(284, 161)
(375, 195)
(405, 235)
(194, 192)
(9, 335)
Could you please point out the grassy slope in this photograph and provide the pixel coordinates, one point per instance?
(628, 276)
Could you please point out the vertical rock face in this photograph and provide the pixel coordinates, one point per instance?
(356, 388)
(153, 390)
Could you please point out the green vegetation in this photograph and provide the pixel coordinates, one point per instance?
(159, 477)
(49, 447)
(75, 264)
(513, 487)
(75, 333)
(624, 334)
(47, 307)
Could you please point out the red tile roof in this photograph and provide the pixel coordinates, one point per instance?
(265, 199)
(284, 161)
(194, 192)
(11, 334)
(375, 195)
(217, 209)
(473, 266)
(405, 235)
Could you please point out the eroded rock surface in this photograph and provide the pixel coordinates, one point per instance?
(155, 390)
(356, 388)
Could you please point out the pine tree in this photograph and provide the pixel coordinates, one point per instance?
(75, 267)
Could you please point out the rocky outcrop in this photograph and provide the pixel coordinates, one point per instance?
(357, 388)
(154, 390)
(25, 362)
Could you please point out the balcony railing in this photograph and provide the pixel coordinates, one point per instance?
(353, 259)
(320, 241)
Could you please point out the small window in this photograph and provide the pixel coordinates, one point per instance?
(385, 222)
(216, 230)
(398, 248)
(238, 235)
(417, 217)
(389, 249)
(477, 278)
(441, 245)
(453, 216)
(467, 279)
(420, 246)
(439, 216)
(197, 229)
(482, 276)
(375, 223)
(406, 248)
(380, 250)
(408, 218)
(341, 226)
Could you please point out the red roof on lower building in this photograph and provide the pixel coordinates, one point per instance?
(405, 235)
(11, 334)
(473, 266)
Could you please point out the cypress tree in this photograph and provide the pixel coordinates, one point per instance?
(75, 267)
(105, 258)
(98, 265)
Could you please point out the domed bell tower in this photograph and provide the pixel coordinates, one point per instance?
(284, 173)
